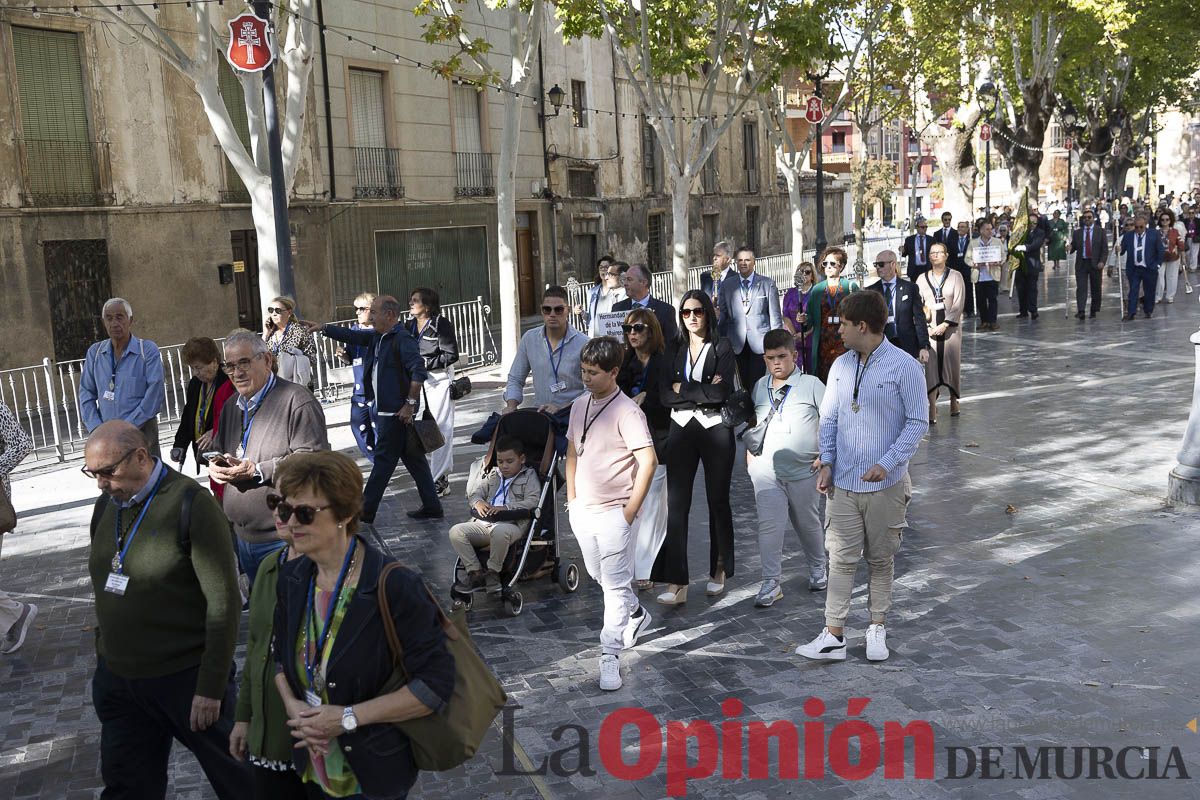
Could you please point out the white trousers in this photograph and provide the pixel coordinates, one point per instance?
(604, 541)
(1168, 280)
(1189, 257)
(437, 390)
(10, 610)
(650, 527)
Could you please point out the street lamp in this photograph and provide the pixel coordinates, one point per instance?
(1149, 142)
(1070, 123)
(817, 77)
(986, 93)
(555, 96)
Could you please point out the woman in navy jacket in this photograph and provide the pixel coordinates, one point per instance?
(336, 675)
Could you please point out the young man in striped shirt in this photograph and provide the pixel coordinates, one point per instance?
(873, 416)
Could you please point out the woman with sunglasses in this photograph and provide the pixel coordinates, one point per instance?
(795, 313)
(1175, 240)
(439, 347)
(289, 340)
(823, 322)
(641, 377)
(335, 670)
(206, 393)
(361, 424)
(699, 369)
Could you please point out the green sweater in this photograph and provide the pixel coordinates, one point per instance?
(180, 609)
(258, 701)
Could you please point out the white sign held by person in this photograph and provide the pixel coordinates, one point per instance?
(610, 324)
(989, 254)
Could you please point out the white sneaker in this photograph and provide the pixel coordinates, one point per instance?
(15, 637)
(634, 628)
(826, 647)
(877, 643)
(610, 673)
(818, 581)
(768, 593)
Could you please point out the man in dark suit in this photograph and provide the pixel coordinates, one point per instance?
(947, 235)
(906, 326)
(1144, 250)
(916, 250)
(722, 262)
(1091, 252)
(1030, 275)
(637, 295)
(750, 308)
(958, 261)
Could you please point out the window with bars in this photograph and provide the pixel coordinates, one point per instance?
(579, 104)
(750, 155)
(581, 182)
(376, 166)
(654, 242)
(651, 159)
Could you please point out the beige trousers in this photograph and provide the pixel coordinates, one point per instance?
(497, 536)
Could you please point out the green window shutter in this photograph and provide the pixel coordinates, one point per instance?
(235, 103)
(50, 81)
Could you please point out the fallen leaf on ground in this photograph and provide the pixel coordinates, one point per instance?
(971, 444)
(1010, 509)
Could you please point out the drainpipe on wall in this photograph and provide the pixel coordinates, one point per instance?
(546, 167)
(328, 106)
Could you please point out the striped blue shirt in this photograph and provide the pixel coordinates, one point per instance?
(893, 415)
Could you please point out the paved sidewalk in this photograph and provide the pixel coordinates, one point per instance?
(1045, 596)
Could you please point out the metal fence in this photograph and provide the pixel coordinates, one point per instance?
(45, 397)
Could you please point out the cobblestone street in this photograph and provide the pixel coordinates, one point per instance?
(1045, 596)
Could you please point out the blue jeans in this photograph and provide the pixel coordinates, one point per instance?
(392, 446)
(251, 555)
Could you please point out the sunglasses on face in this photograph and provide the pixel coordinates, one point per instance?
(879, 264)
(284, 510)
(272, 310)
(553, 309)
(690, 311)
(637, 327)
(831, 263)
(110, 470)
(361, 309)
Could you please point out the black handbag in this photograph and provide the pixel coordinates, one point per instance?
(755, 437)
(460, 388)
(739, 408)
(428, 436)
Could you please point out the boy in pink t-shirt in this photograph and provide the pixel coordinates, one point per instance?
(610, 463)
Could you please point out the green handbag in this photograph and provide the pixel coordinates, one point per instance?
(443, 741)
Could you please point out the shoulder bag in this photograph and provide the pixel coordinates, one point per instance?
(443, 741)
(427, 433)
(755, 437)
(739, 408)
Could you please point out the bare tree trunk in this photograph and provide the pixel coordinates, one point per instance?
(506, 233)
(791, 176)
(680, 195)
(956, 161)
(1090, 168)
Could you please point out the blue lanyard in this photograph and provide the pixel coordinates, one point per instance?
(276, 348)
(890, 290)
(562, 351)
(502, 492)
(112, 359)
(640, 384)
(248, 421)
(119, 559)
(782, 392)
(313, 658)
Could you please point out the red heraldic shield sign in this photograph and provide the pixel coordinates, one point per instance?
(249, 49)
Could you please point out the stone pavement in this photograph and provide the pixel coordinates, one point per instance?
(1066, 620)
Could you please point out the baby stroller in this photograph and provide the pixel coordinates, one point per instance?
(539, 554)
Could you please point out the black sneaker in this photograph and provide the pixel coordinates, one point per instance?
(492, 581)
(472, 581)
(1022, 315)
(427, 513)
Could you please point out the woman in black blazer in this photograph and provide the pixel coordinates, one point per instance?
(439, 348)
(699, 379)
(206, 393)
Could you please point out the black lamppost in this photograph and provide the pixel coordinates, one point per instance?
(819, 242)
(987, 104)
(1070, 123)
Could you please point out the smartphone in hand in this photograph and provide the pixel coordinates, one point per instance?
(216, 458)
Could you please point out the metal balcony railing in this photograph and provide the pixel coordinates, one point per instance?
(474, 175)
(65, 173)
(377, 173)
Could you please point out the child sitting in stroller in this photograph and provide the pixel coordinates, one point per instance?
(501, 506)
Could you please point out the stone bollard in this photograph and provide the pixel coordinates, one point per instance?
(1183, 485)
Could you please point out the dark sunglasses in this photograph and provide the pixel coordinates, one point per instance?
(360, 309)
(284, 510)
(553, 309)
(637, 327)
(272, 310)
(831, 263)
(110, 470)
(879, 264)
(689, 311)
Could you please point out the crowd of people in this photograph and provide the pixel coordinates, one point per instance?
(828, 385)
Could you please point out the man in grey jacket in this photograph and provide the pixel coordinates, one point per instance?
(749, 308)
(266, 421)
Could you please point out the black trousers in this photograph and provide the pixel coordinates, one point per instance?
(687, 448)
(1087, 276)
(1027, 289)
(969, 304)
(270, 784)
(750, 367)
(392, 446)
(138, 719)
(986, 293)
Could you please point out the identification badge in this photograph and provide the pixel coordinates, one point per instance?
(558, 387)
(312, 698)
(892, 318)
(358, 362)
(116, 583)
(110, 395)
(241, 451)
(781, 426)
(939, 306)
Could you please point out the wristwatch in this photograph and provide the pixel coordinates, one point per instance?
(412, 401)
(349, 721)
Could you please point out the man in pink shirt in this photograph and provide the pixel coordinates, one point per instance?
(610, 464)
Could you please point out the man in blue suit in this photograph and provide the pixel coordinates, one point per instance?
(1144, 250)
(749, 308)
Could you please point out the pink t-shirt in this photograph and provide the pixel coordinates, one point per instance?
(606, 469)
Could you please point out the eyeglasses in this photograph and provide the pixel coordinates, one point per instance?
(831, 263)
(110, 470)
(637, 327)
(689, 311)
(879, 264)
(273, 310)
(241, 365)
(284, 510)
(554, 309)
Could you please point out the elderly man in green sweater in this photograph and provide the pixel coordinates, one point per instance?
(167, 608)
